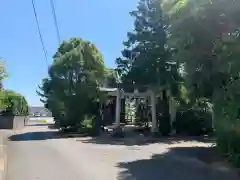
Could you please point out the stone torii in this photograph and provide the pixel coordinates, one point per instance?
(119, 94)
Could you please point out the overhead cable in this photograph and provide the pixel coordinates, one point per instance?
(39, 32)
(55, 20)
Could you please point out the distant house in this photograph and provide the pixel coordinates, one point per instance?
(39, 111)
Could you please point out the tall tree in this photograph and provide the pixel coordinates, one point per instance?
(71, 90)
(146, 57)
(206, 35)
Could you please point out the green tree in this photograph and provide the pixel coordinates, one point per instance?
(3, 73)
(71, 90)
(206, 36)
(13, 103)
(146, 59)
(111, 78)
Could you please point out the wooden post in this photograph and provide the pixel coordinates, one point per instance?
(154, 115)
(118, 108)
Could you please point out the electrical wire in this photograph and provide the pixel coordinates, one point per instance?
(39, 32)
(55, 20)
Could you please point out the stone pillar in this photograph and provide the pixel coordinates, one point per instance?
(154, 115)
(118, 109)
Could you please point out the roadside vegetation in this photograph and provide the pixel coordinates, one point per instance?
(188, 49)
(11, 103)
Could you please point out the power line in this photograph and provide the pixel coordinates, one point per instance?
(55, 20)
(39, 31)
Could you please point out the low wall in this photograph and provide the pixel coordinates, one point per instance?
(13, 122)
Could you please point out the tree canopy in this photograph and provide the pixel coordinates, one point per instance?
(71, 90)
(205, 34)
(147, 59)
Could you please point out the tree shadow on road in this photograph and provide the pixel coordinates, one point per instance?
(181, 163)
(41, 135)
(140, 140)
(33, 136)
(105, 139)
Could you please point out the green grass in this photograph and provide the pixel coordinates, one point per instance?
(44, 121)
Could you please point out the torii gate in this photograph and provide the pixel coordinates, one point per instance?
(121, 94)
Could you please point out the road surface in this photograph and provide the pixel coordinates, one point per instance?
(36, 154)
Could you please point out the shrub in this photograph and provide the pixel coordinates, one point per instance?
(194, 118)
(193, 122)
(13, 104)
(88, 122)
(227, 140)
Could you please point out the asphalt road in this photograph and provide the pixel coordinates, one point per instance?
(33, 156)
(36, 154)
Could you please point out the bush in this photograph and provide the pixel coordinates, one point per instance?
(227, 140)
(13, 104)
(88, 126)
(88, 123)
(193, 122)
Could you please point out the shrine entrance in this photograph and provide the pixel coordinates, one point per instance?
(142, 95)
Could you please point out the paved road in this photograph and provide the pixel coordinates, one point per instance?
(34, 154)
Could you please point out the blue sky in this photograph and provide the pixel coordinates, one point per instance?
(103, 22)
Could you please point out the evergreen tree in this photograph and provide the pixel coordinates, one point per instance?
(145, 59)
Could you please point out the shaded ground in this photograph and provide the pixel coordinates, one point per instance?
(205, 154)
(138, 139)
(168, 166)
(131, 139)
(34, 136)
(37, 153)
(42, 135)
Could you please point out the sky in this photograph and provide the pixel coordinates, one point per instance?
(103, 22)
